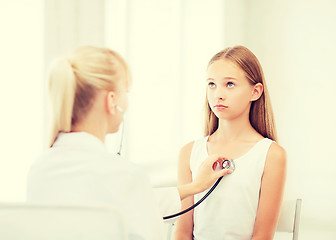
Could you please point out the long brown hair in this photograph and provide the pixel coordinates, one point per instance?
(261, 113)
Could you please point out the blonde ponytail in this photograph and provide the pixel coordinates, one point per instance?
(74, 82)
(62, 87)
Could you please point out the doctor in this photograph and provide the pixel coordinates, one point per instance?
(88, 92)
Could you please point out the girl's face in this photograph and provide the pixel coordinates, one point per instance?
(229, 93)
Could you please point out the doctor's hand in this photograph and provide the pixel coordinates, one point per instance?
(205, 177)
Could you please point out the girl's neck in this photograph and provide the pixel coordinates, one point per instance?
(232, 130)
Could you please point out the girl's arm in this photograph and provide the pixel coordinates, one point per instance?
(185, 224)
(271, 192)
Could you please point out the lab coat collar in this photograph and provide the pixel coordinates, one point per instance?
(79, 139)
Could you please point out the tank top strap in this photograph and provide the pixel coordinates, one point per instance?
(267, 143)
(260, 151)
(198, 153)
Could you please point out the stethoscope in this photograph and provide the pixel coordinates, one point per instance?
(121, 140)
(220, 164)
(122, 130)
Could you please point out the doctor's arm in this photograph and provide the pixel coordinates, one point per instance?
(271, 193)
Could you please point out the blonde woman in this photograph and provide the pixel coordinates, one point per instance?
(239, 125)
(88, 97)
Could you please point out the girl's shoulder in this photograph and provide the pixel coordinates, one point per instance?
(187, 148)
(277, 154)
(184, 159)
(276, 149)
(185, 151)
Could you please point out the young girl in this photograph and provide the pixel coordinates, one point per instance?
(88, 95)
(240, 126)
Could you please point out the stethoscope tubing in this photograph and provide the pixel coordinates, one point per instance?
(197, 203)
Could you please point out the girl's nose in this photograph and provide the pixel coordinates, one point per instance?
(220, 94)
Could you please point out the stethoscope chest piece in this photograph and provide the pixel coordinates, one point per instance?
(228, 164)
(224, 164)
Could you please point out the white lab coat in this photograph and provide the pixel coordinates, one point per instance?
(78, 169)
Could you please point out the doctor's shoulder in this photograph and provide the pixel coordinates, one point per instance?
(123, 166)
(43, 158)
(115, 162)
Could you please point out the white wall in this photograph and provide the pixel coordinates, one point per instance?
(21, 98)
(164, 44)
(295, 42)
(70, 23)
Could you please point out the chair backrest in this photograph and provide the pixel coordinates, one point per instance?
(32, 221)
(289, 218)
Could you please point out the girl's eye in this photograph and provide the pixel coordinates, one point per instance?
(211, 85)
(230, 84)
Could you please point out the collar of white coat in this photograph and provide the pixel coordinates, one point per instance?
(79, 139)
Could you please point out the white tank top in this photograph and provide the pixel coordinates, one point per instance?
(229, 212)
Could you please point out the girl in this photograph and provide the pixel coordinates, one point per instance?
(239, 125)
(88, 95)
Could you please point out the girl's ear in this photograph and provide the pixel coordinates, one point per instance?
(257, 91)
(110, 102)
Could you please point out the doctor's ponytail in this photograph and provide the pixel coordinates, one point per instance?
(74, 82)
(62, 87)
